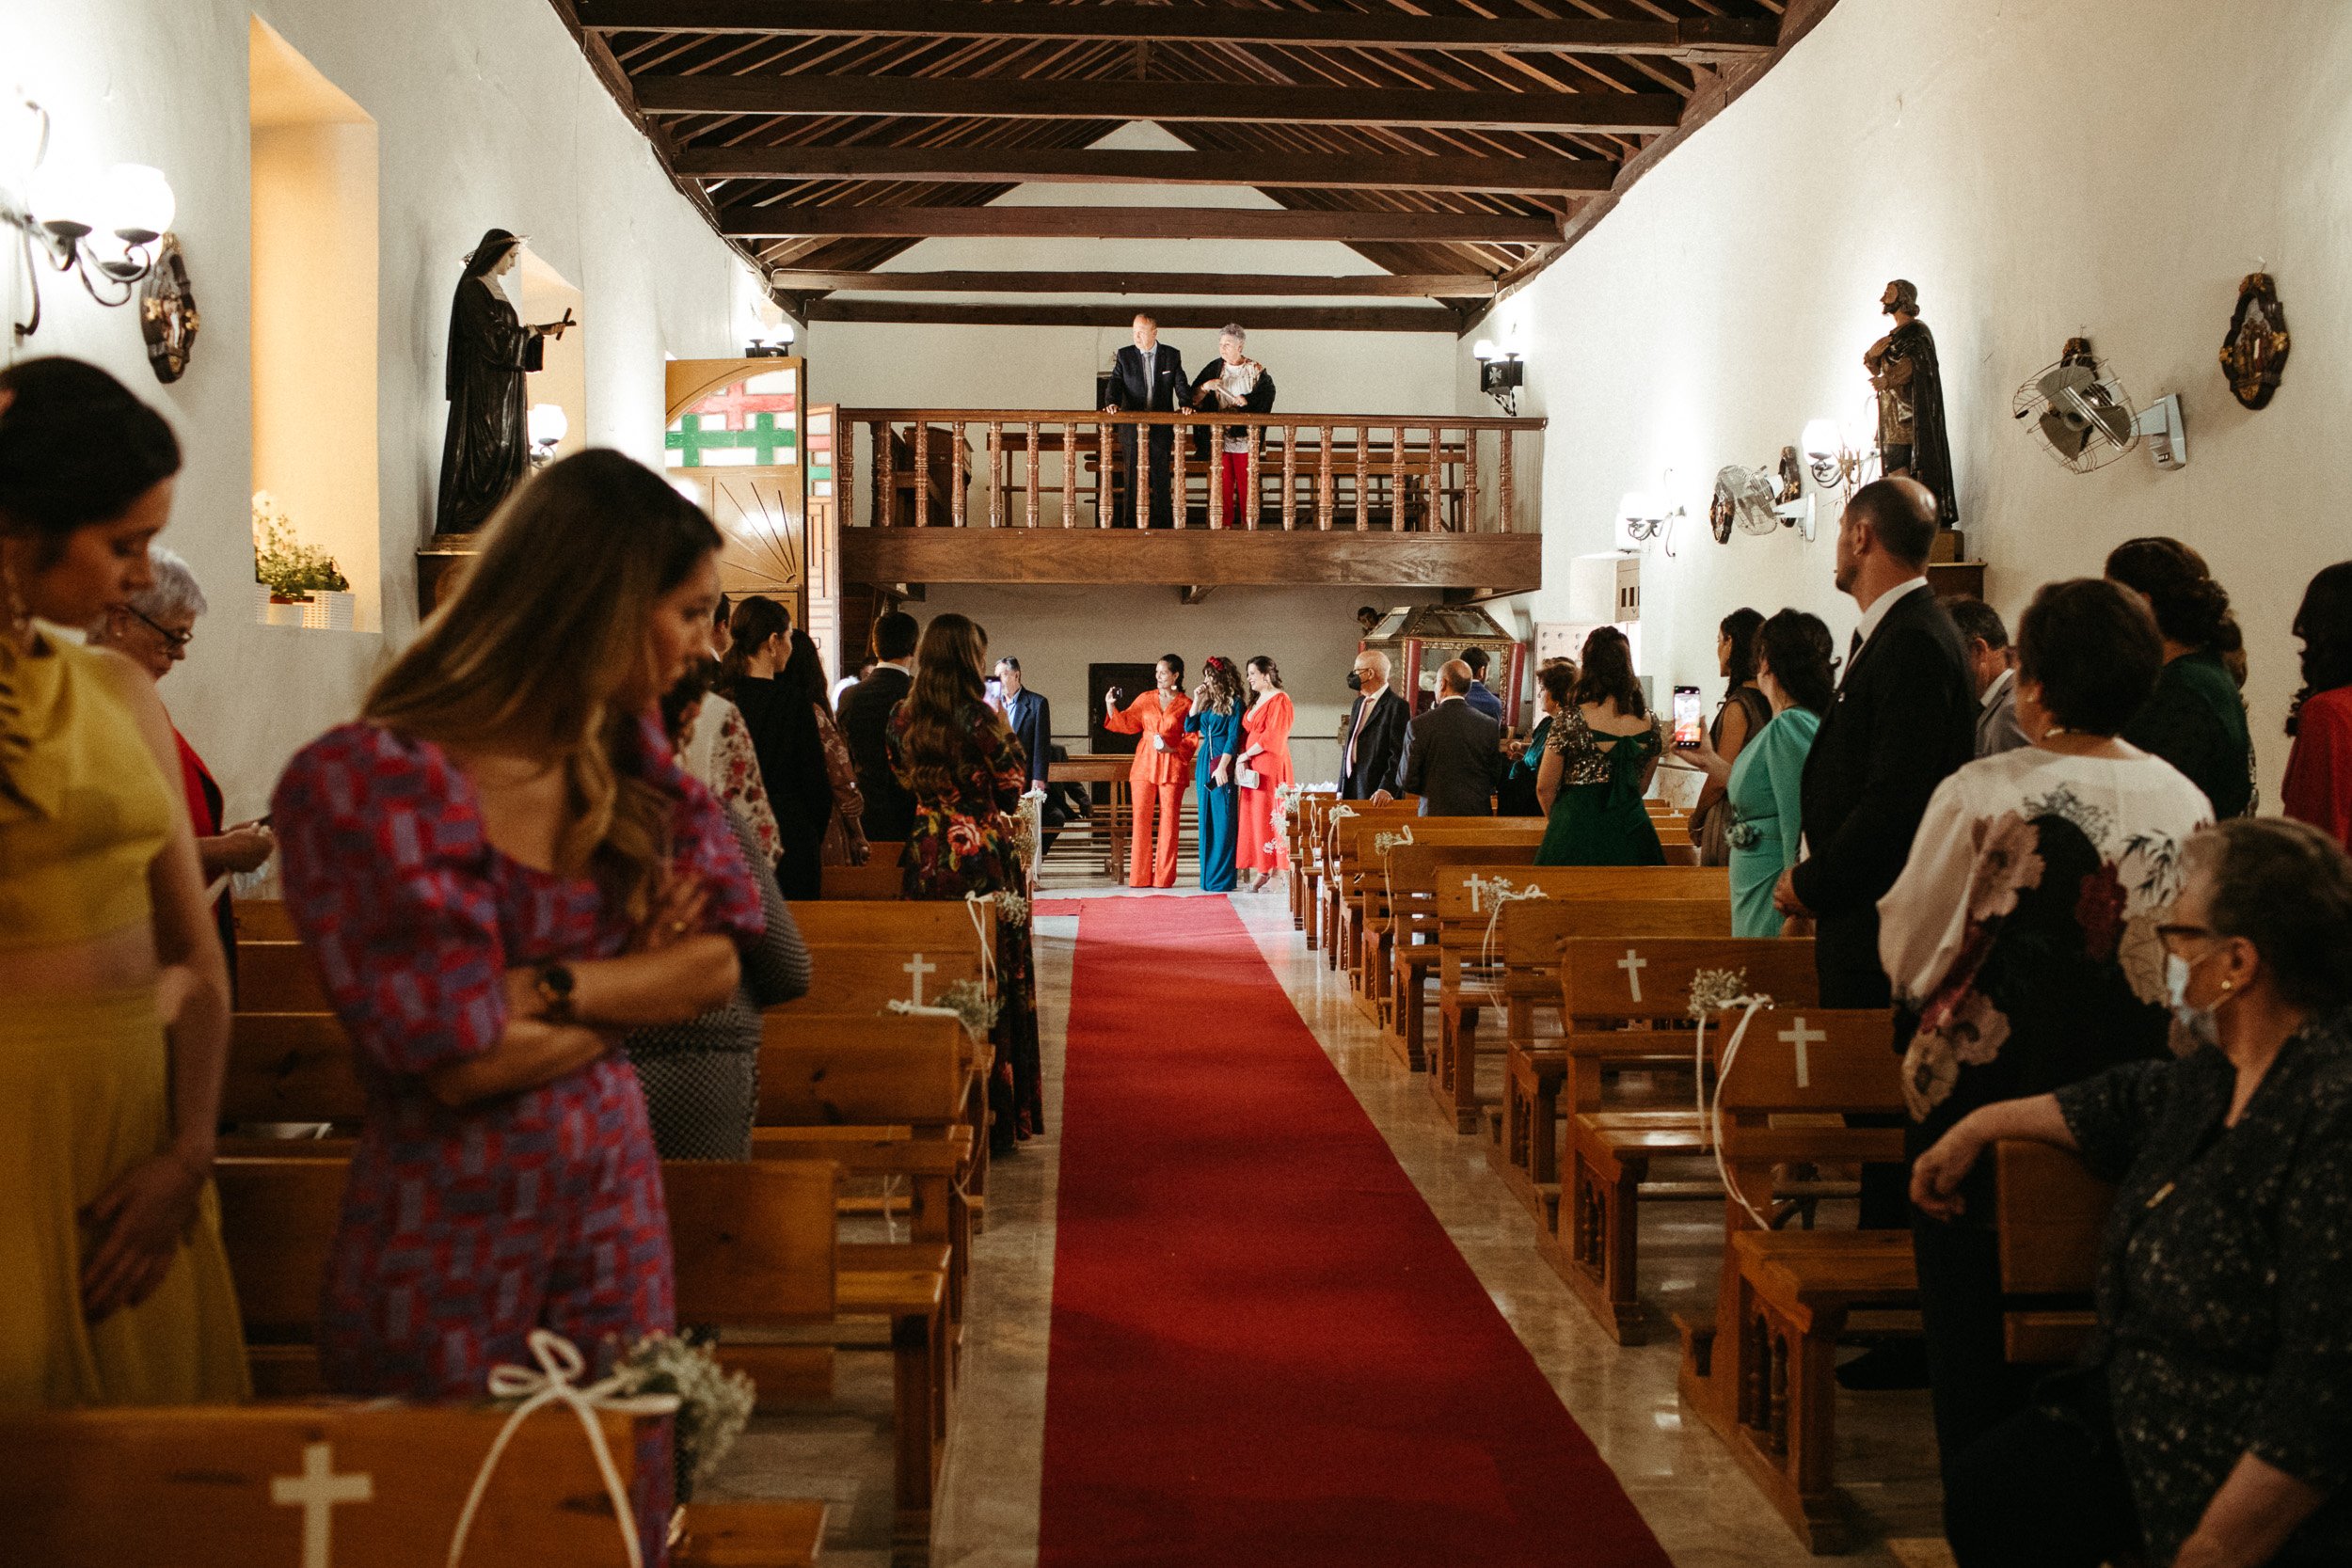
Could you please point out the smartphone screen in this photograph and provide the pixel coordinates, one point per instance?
(1689, 724)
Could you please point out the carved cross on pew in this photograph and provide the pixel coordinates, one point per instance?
(316, 1492)
(1633, 963)
(917, 968)
(1800, 1036)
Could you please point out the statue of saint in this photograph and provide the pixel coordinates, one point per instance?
(1910, 387)
(487, 448)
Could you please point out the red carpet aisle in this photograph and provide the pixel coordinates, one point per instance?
(1266, 1350)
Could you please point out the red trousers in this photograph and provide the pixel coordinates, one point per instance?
(1152, 858)
(1237, 506)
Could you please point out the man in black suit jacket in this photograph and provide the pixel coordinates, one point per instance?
(865, 715)
(1147, 378)
(1904, 720)
(1454, 757)
(1371, 749)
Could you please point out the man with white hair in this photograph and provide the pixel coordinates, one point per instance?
(1372, 754)
(154, 630)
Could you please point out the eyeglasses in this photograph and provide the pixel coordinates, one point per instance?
(174, 642)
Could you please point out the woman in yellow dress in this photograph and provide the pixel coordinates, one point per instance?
(116, 1030)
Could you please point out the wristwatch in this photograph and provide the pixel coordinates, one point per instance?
(554, 985)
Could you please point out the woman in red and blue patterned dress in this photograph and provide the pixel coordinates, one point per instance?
(498, 870)
(966, 772)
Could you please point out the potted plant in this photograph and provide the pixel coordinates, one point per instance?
(299, 583)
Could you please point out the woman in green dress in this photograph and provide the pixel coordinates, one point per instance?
(1598, 761)
(1761, 784)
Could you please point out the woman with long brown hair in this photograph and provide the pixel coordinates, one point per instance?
(2194, 719)
(1217, 705)
(1265, 770)
(956, 756)
(1597, 763)
(785, 736)
(499, 869)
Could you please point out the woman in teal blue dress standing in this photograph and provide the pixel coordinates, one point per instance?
(1598, 761)
(1792, 655)
(1216, 717)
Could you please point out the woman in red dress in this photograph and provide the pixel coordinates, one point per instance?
(1265, 757)
(1163, 767)
(2318, 785)
(498, 870)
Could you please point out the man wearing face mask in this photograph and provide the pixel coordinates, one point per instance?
(2021, 936)
(1371, 746)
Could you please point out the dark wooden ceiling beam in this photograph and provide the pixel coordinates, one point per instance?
(1172, 318)
(1010, 98)
(1134, 223)
(1379, 285)
(1706, 36)
(1076, 167)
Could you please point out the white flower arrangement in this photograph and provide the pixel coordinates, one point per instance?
(969, 1001)
(1714, 991)
(713, 1403)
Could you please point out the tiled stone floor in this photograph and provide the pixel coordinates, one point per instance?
(1701, 1505)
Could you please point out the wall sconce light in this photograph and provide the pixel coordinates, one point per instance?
(108, 229)
(1644, 515)
(771, 342)
(549, 424)
(1845, 458)
(1501, 372)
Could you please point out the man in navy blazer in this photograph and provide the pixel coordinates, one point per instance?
(1032, 721)
(1147, 378)
(1481, 699)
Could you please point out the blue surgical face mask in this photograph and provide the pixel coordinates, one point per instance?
(2198, 1021)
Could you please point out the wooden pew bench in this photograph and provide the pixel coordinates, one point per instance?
(233, 1487)
(1532, 937)
(1381, 902)
(2052, 1213)
(1467, 983)
(1762, 1371)
(1349, 829)
(1414, 872)
(755, 1251)
(1300, 838)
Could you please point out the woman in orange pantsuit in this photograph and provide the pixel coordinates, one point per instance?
(1163, 767)
(1266, 731)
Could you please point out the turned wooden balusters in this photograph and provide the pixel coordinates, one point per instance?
(922, 473)
(961, 479)
(1070, 476)
(1469, 480)
(1363, 478)
(1397, 482)
(1103, 480)
(885, 476)
(1506, 515)
(1176, 473)
(1216, 477)
(1436, 478)
(1249, 503)
(1037, 436)
(996, 470)
(1289, 476)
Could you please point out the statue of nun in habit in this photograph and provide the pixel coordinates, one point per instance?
(487, 448)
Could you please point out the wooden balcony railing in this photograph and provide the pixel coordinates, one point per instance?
(959, 467)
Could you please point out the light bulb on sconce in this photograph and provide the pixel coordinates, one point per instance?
(548, 424)
(1500, 373)
(1644, 515)
(108, 226)
(1840, 457)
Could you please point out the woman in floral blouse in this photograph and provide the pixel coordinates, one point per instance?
(966, 772)
(2021, 937)
(2210, 1422)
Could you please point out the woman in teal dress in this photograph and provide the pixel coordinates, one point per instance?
(1793, 652)
(1555, 678)
(1598, 760)
(1217, 705)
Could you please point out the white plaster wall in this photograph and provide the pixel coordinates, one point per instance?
(871, 365)
(488, 116)
(2111, 167)
(1309, 633)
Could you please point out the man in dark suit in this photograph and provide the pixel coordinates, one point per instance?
(1371, 746)
(1904, 720)
(1453, 756)
(865, 712)
(1479, 696)
(1147, 378)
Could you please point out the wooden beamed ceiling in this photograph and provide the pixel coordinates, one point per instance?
(1458, 145)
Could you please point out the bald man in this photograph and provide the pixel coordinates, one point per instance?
(1454, 755)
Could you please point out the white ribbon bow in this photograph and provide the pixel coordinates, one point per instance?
(560, 1363)
(1712, 1110)
(1501, 892)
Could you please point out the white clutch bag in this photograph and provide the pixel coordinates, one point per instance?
(1248, 778)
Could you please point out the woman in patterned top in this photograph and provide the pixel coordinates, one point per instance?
(1597, 763)
(719, 752)
(497, 870)
(2022, 938)
(955, 756)
(2210, 1422)
(701, 1078)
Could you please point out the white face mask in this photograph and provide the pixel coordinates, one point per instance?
(2198, 1021)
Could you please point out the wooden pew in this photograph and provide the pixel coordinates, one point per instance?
(233, 1487)
(754, 1249)
(1300, 838)
(1412, 873)
(930, 924)
(275, 976)
(2052, 1212)
(861, 978)
(880, 879)
(1760, 1372)
(1373, 917)
(1596, 1244)
(1532, 936)
(1347, 840)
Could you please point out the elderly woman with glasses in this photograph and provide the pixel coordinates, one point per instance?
(2210, 1420)
(153, 630)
